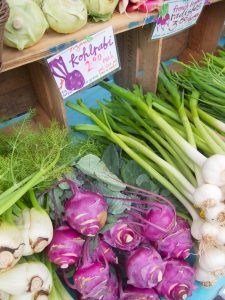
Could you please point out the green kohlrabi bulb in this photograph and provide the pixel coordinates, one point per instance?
(65, 16)
(101, 10)
(26, 24)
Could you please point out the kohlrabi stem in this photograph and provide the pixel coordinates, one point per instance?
(139, 217)
(212, 144)
(191, 152)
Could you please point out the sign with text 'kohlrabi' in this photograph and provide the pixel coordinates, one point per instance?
(85, 63)
(177, 15)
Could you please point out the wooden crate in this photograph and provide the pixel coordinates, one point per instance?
(29, 84)
(31, 87)
(203, 37)
(141, 57)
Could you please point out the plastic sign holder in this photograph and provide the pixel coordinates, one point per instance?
(176, 16)
(85, 63)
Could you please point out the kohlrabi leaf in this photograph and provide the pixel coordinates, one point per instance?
(103, 173)
(111, 159)
(72, 176)
(93, 166)
(115, 206)
(56, 203)
(141, 179)
(133, 174)
(88, 164)
(130, 172)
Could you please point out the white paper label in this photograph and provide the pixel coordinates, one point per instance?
(85, 63)
(177, 15)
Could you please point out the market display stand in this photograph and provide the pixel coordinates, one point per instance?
(26, 82)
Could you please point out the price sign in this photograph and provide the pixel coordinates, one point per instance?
(85, 63)
(177, 15)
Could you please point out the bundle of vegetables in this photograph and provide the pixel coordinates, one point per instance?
(145, 6)
(178, 144)
(32, 159)
(101, 10)
(209, 79)
(92, 250)
(24, 232)
(34, 278)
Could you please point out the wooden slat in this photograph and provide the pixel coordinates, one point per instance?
(16, 93)
(128, 49)
(173, 46)
(150, 52)
(40, 117)
(48, 95)
(188, 54)
(53, 42)
(205, 34)
(140, 59)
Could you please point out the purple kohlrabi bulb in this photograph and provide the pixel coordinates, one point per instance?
(161, 215)
(134, 293)
(92, 280)
(109, 254)
(86, 211)
(66, 247)
(178, 243)
(112, 289)
(178, 280)
(123, 235)
(144, 267)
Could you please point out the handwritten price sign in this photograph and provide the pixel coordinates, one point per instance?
(177, 15)
(85, 63)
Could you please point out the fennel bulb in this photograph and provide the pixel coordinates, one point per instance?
(30, 277)
(26, 24)
(37, 230)
(65, 16)
(4, 296)
(11, 246)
